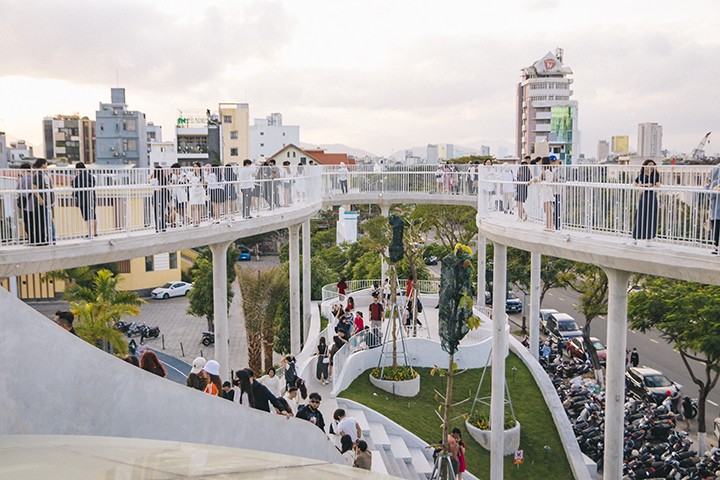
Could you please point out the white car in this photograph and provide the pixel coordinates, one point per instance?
(172, 289)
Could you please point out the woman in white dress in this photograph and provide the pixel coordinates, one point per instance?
(197, 193)
(272, 382)
(300, 182)
(546, 192)
(486, 177)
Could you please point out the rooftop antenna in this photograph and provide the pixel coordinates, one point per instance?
(559, 53)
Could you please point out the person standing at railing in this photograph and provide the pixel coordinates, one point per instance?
(27, 202)
(342, 288)
(473, 176)
(231, 195)
(714, 186)
(179, 195)
(487, 175)
(213, 177)
(274, 178)
(646, 219)
(84, 195)
(247, 185)
(287, 181)
(197, 193)
(521, 189)
(546, 193)
(439, 175)
(300, 182)
(343, 177)
(43, 198)
(507, 188)
(159, 181)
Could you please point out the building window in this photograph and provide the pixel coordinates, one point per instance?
(262, 145)
(234, 135)
(150, 264)
(262, 133)
(173, 260)
(130, 125)
(293, 154)
(283, 134)
(227, 118)
(130, 145)
(233, 152)
(123, 266)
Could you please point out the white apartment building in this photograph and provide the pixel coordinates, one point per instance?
(547, 119)
(603, 150)
(69, 139)
(268, 135)
(20, 152)
(432, 154)
(649, 140)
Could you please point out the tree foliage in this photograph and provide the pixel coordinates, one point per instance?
(98, 306)
(687, 315)
(453, 224)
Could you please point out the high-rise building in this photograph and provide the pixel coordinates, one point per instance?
(545, 113)
(234, 132)
(603, 150)
(20, 152)
(4, 154)
(69, 139)
(649, 140)
(620, 144)
(268, 135)
(484, 150)
(432, 153)
(121, 133)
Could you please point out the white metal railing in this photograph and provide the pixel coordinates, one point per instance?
(54, 205)
(425, 287)
(46, 206)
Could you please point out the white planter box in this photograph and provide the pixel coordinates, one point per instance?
(511, 438)
(404, 388)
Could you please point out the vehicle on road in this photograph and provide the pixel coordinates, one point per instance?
(649, 385)
(561, 327)
(431, 260)
(244, 255)
(576, 348)
(544, 314)
(512, 302)
(172, 289)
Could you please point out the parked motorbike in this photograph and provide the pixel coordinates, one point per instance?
(208, 338)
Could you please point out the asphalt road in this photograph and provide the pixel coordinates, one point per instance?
(654, 351)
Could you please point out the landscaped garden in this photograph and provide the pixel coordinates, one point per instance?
(418, 415)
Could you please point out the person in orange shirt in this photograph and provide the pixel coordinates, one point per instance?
(211, 371)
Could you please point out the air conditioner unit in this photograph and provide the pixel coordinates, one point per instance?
(112, 149)
(123, 154)
(115, 154)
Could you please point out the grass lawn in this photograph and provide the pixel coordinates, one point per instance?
(418, 415)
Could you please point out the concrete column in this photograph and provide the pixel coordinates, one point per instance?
(385, 212)
(294, 289)
(499, 352)
(14, 286)
(615, 371)
(220, 307)
(535, 262)
(307, 279)
(482, 265)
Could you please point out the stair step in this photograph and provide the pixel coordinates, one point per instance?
(359, 415)
(378, 435)
(389, 462)
(420, 461)
(399, 449)
(402, 468)
(378, 466)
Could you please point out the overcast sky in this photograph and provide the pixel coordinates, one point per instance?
(377, 75)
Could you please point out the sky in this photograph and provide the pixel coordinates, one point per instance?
(375, 75)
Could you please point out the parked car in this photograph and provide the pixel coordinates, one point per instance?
(544, 314)
(431, 260)
(648, 384)
(576, 348)
(512, 303)
(244, 255)
(561, 327)
(172, 289)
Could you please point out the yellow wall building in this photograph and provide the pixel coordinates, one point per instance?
(235, 118)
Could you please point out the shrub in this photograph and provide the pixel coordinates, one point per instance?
(482, 421)
(396, 374)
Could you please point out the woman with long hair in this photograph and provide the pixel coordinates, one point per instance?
(197, 193)
(150, 362)
(646, 219)
(323, 361)
(244, 395)
(347, 450)
(211, 370)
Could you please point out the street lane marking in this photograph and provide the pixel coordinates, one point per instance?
(600, 316)
(574, 305)
(654, 341)
(712, 403)
(170, 366)
(551, 294)
(561, 299)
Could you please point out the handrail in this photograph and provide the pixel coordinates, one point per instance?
(425, 287)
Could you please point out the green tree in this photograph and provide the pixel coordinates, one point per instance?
(687, 315)
(201, 295)
(592, 284)
(83, 276)
(97, 308)
(452, 224)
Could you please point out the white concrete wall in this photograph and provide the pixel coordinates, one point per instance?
(55, 383)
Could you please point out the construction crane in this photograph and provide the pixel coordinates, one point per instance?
(698, 153)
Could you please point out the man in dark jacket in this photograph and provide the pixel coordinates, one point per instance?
(311, 412)
(262, 395)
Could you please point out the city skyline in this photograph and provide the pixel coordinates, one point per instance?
(371, 75)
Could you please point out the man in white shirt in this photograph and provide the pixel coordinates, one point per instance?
(247, 184)
(347, 425)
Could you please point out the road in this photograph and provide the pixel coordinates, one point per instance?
(654, 351)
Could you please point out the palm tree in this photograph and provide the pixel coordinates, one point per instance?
(99, 306)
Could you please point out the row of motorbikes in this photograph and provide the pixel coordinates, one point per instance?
(131, 329)
(653, 448)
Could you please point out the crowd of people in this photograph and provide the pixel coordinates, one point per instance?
(181, 196)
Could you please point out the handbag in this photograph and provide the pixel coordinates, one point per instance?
(326, 359)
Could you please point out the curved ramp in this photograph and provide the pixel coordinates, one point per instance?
(57, 384)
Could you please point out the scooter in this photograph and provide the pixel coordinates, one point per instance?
(208, 338)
